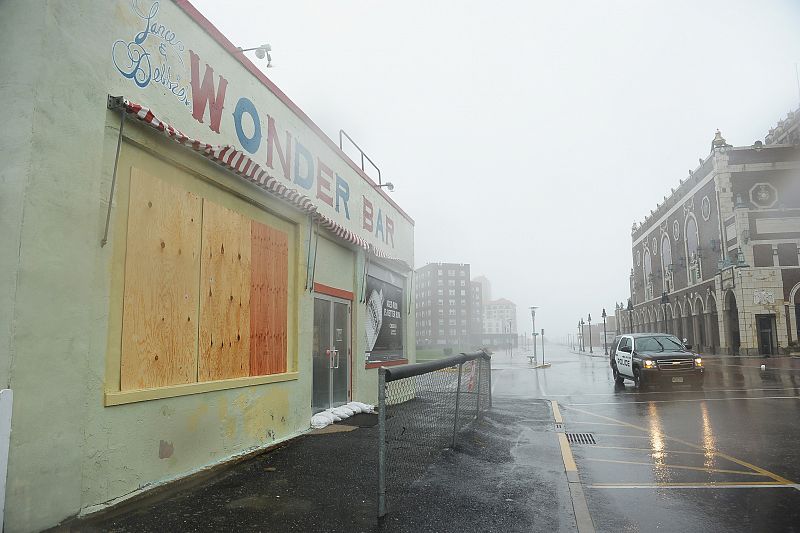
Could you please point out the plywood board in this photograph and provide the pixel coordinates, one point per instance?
(159, 324)
(268, 296)
(224, 294)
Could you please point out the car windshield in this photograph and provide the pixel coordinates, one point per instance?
(659, 343)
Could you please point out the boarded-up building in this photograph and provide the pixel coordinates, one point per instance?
(190, 266)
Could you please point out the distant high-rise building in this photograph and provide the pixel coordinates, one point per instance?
(476, 310)
(443, 305)
(486, 287)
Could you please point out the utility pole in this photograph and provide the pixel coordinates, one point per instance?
(533, 331)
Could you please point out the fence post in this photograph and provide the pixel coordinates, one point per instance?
(458, 393)
(382, 442)
(489, 364)
(478, 388)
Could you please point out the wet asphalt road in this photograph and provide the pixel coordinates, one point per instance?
(726, 458)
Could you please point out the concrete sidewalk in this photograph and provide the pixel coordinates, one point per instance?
(506, 474)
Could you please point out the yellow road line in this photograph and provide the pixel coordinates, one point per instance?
(650, 450)
(556, 413)
(767, 473)
(623, 436)
(681, 467)
(677, 483)
(709, 485)
(581, 422)
(566, 454)
(691, 400)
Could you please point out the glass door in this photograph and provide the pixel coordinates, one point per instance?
(330, 353)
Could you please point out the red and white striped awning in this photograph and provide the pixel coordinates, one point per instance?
(242, 165)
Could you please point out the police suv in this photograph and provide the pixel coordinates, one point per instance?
(649, 358)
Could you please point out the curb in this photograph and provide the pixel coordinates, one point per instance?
(587, 354)
(583, 519)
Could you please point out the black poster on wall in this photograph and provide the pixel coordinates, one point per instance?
(384, 320)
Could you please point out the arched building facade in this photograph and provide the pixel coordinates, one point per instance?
(717, 262)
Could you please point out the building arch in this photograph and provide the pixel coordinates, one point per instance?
(654, 318)
(731, 310)
(677, 328)
(687, 321)
(668, 320)
(713, 323)
(794, 312)
(699, 324)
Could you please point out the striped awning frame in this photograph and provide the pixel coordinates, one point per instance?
(242, 165)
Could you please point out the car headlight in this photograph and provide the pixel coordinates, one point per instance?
(698, 361)
(648, 363)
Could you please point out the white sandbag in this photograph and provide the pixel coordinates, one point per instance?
(319, 421)
(353, 406)
(327, 415)
(365, 407)
(347, 409)
(336, 417)
(341, 412)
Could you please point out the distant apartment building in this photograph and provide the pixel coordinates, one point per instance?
(500, 317)
(444, 305)
(477, 311)
(499, 323)
(486, 287)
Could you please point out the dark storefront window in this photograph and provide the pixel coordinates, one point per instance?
(384, 317)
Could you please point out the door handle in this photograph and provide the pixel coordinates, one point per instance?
(335, 357)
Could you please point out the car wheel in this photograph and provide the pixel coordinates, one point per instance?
(638, 379)
(619, 380)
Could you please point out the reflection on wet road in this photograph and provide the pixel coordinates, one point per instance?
(725, 458)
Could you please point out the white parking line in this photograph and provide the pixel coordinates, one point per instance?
(704, 391)
(694, 400)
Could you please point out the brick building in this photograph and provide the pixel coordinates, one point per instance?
(444, 309)
(717, 261)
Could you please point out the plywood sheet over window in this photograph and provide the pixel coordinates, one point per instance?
(224, 294)
(206, 291)
(268, 300)
(162, 270)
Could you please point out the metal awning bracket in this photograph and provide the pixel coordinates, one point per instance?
(114, 103)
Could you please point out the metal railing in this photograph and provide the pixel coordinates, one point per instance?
(364, 156)
(421, 410)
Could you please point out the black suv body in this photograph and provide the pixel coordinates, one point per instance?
(649, 358)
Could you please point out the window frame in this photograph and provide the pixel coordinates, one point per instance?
(200, 177)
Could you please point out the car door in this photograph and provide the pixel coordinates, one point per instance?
(623, 356)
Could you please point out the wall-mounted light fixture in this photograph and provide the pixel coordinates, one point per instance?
(261, 52)
(389, 185)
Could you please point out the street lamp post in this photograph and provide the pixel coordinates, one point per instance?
(630, 314)
(605, 344)
(533, 331)
(583, 340)
(590, 332)
(542, 345)
(510, 339)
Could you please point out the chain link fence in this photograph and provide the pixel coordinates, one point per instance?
(421, 409)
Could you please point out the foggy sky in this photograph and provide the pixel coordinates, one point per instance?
(525, 137)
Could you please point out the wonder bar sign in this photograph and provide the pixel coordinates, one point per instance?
(156, 53)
